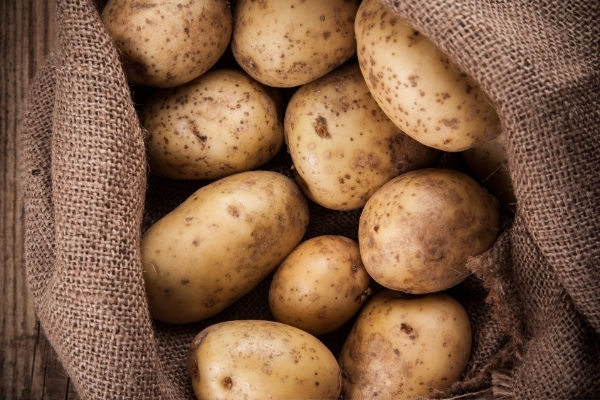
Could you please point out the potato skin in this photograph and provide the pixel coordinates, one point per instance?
(165, 43)
(404, 346)
(290, 43)
(221, 123)
(418, 230)
(255, 359)
(320, 285)
(220, 243)
(342, 144)
(417, 86)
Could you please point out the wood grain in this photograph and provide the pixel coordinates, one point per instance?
(29, 367)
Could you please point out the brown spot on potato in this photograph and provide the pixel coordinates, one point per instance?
(413, 80)
(195, 372)
(364, 160)
(320, 126)
(233, 211)
(406, 328)
(227, 383)
(140, 5)
(453, 123)
(209, 303)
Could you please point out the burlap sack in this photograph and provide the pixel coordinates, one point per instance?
(534, 298)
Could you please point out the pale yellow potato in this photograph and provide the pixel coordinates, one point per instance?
(405, 346)
(290, 43)
(488, 163)
(220, 243)
(418, 230)
(165, 43)
(320, 285)
(219, 124)
(416, 85)
(342, 144)
(255, 359)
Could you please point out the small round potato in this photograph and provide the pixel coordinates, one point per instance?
(255, 359)
(220, 243)
(342, 144)
(221, 123)
(402, 347)
(418, 230)
(488, 163)
(320, 285)
(290, 43)
(165, 43)
(417, 86)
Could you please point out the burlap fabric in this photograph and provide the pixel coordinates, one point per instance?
(534, 298)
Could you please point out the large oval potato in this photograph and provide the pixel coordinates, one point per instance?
(219, 124)
(402, 347)
(342, 144)
(418, 230)
(254, 359)
(290, 43)
(320, 285)
(165, 43)
(417, 86)
(220, 243)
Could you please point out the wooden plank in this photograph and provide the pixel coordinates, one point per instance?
(29, 367)
(18, 323)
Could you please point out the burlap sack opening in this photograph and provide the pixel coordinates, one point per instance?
(534, 298)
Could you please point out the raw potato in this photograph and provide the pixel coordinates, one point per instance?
(342, 144)
(165, 43)
(405, 346)
(254, 359)
(221, 123)
(417, 86)
(290, 43)
(418, 230)
(220, 243)
(320, 285)
(488, 163)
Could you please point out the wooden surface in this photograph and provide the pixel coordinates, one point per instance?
(29, 368)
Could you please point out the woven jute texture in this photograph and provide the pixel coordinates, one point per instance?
(534, 298)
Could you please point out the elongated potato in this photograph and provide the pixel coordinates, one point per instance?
(254, 359)
(405, 346)
(220, 243)
(416, 85)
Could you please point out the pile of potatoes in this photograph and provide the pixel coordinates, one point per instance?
(365, 106)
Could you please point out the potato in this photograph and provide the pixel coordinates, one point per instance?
(488, 163)
(320, 285)
(405, 346)
(290, 43)
(416, 85)
(220, 243)
(166, 43)
(342, 145)
(254, 359)
(418, 230)
(221, 123)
